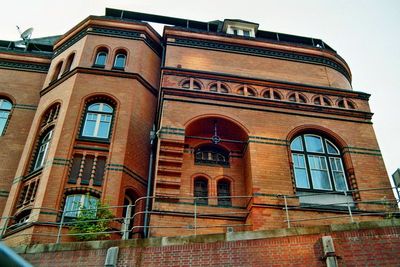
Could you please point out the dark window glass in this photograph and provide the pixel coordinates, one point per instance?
(201, 191)
(224, 193)
(87, 169)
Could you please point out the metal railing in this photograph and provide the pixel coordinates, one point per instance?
(195, 214)
(382, 206)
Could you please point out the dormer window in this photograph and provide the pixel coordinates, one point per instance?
(240, 27)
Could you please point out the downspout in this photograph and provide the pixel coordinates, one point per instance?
(153, 148)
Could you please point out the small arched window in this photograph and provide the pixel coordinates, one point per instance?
(5, 109)
(57, 71)
(345, 103)
(272, 94)
(218, 87)
(212, 154)
(70, 60)
(120, 60)
(191, 84)
(98, 119)
(101, 58)
(322, 101)
(296, 97)
(42, 149)
(317, 164)
(201, 190)
(224, 193)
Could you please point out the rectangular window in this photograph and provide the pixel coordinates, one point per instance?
(338, 174)
(300, 171)
(246, 33)
(319, 172)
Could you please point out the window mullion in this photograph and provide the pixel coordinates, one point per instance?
(97, 125)
(308, 170)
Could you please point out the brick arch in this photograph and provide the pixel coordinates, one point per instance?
(213, 115)
(8, 97)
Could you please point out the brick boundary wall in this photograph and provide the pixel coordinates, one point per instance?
(374, 243)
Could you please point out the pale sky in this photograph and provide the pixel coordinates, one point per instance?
(364, 32)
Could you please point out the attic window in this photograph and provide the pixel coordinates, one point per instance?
(240, 27)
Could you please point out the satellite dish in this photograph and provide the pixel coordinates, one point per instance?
(26, 35)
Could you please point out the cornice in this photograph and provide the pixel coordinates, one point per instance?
(24, 66)
(260, 52)
(100, 72)
(224, 77)
(232, 101)
(110, 32)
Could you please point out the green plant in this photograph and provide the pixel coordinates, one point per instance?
(92, 224)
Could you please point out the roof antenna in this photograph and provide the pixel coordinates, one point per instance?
(26, 36)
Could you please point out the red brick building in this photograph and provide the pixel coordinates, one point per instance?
(214, 120)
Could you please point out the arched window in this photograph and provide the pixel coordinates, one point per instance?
(317, 164)
(47, 124)
(201, 190)
(43, 148)
(212, 154)
(57, 71)
(5, 109)
(101, 57)
(345, 103)
(272, 94)
(120, 60)
(322, 101)
(296, 97)
(251, 92)
(219, 87)
(191, 84)
(69, 63)
(98, 120)
(75, 204)
(224, 193)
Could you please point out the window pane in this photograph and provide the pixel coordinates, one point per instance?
(103, 129)
(319, 172)
(300, 171)
(314, 143)
(101, 58)
(94, 107)
(88, 128)
(297, 144)
(331, 148)
(120, 61)
(338, 174)
(5, 104)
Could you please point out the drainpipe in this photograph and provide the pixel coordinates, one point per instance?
(153, 137)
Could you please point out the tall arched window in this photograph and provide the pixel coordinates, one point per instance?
(201, 190)
(43, 148)
(101, 57)
(120, 60)
(224, 193)
(5, 109)
(317, 164)
(69, 62)
(98, 120)
(57, 71)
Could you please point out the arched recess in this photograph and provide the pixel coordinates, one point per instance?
(218, 145)
(336, 139)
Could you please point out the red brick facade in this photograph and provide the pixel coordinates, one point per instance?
(225, 109)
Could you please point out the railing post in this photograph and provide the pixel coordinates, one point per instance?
(195, 216)
(4, 229)
(348, 207)
(287, 212)
(60, 227)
